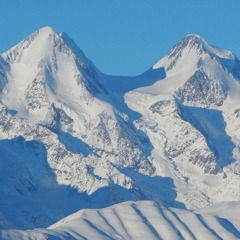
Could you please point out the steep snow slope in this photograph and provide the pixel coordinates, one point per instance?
(72, 137)
(141, 220)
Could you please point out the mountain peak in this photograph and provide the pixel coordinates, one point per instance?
(192, 36)
(45, 34)
(43, 42)
(199, 45)
(47, 30)
(35, 46)
(194, 41)
(191, 41)
(192, 49)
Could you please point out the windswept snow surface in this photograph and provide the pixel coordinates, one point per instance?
(73, 138)
(141, 220)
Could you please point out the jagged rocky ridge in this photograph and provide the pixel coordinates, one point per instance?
(72, 137)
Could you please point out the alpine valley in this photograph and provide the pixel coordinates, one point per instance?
(155, 156)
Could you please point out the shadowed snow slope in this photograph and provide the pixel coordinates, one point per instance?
(73, 138)
(141, 220)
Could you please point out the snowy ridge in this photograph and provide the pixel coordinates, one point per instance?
(141, 220)
(73, 138)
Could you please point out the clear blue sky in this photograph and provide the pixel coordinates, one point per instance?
(124, 37)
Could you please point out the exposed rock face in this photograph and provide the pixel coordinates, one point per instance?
(202, 90)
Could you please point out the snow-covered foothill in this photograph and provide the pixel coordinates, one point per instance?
(141, 220)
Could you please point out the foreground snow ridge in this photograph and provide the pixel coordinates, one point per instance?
(141, 220)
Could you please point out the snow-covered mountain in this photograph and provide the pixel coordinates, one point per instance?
(72, 137)
(192, 116)
(141, 220)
